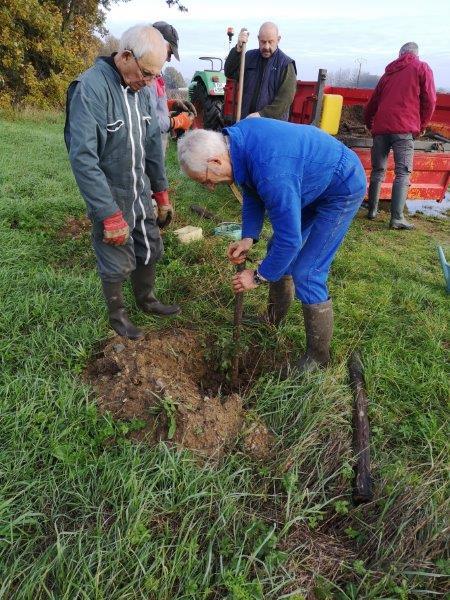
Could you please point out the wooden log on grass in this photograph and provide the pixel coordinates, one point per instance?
(363, 484)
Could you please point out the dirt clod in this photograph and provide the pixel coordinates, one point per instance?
(258, 441)
(159, 381)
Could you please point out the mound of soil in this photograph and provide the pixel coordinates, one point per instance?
(352, 122)
(75, 227)
(352, 125)
(159, 381)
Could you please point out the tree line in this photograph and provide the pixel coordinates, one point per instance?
(44, 44)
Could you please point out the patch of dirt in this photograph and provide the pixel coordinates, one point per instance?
(312, 552)
(75, 227)
(159, 380)
(258, 441)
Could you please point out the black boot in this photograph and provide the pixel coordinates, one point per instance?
(373, 197)
(143, 282)
(281, 294)
(118, 318)
(319, 330)
(398, 201)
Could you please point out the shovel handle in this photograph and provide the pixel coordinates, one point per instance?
(239, 298)
(241, 84)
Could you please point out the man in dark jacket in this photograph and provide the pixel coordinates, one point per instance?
(115, 151)
(398, 111)
(308, 184)
(270, 82)
(270, 77)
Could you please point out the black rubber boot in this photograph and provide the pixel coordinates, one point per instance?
(319, 330)
(143, 282)
(281, 294)
(118, 318)
(398, 201)
(373, 198)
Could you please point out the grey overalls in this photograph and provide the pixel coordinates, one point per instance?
(114, 144)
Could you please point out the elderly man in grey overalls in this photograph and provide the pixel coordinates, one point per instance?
(114, 147)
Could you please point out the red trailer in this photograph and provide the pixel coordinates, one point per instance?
(431, 169)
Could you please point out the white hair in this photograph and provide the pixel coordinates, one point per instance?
(409, 48)
(197, 146)
(140, 39)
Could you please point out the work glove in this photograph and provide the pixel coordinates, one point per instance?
(242, 39)
(165, 208)
(181, 121)
(181, 106)
(115, 230)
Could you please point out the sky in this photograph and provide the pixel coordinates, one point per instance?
(330, 34)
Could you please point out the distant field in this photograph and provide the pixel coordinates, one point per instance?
(87, 513)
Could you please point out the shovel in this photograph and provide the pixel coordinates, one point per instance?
(239, 297)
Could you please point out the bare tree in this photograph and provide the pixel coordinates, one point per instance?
(108, 45)
(173, 78)
(352, 78)
(181, 7)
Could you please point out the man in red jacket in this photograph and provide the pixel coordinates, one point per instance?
(398, 111)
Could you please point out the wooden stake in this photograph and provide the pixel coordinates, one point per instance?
(238, 310)
(362, 486)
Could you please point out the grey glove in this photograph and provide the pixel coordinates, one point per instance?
(183, 106)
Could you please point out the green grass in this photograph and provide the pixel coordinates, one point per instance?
(85, 513)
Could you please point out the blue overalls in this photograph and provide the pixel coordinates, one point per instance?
(310, 185)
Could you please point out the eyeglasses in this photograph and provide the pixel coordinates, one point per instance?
(146, 75)
(208, 184)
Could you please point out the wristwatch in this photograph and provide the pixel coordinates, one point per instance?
(257, 279)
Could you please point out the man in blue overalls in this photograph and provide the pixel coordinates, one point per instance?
(310, 186)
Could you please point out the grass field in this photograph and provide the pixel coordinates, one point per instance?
(87, 514)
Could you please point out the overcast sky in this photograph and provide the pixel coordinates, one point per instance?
(331, 34)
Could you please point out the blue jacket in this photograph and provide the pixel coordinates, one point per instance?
(283, 167)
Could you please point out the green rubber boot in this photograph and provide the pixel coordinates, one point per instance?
(118, 317)
(281, 295)
(319, 331)
(373, 198)
(398, 201)
(143, 282)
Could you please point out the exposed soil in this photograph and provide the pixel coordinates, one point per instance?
(352, 125)
(75, 227)
(161, 380)
(311, 552)
(352, 122)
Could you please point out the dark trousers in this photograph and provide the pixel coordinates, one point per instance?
(144, 246)
(402, 145)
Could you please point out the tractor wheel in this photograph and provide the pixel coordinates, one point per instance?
(209, 109)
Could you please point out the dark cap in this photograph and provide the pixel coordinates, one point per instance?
(170, 34)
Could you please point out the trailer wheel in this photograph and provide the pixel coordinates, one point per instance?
(209, 109)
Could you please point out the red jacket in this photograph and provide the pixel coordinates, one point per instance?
(404, 98)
